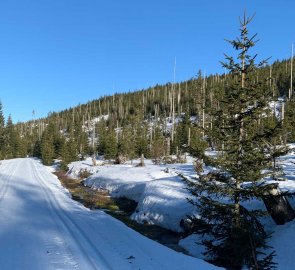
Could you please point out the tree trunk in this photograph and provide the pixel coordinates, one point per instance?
(278, 207)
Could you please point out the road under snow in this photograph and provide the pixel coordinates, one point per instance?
(42, 228)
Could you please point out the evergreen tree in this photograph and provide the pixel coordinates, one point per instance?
(141, 141)
(111, 146)
(69, 152)
(14, 146)
(181, 134)
(158, 146)
(2, 141)
(235, 236)
(37, 149)
(102, 137)
(289, 121)
(47, 151)
(126, 144)
(197, 144)
(2, 120)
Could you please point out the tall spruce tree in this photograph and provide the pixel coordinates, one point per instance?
(126, 145)
(235, 237)
(47, 150)
(2, 124)
(141, 141)
(158, 146)
(111, 145)
(13, 145)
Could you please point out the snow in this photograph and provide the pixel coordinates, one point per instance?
(96, 120)
(193, 245)
(161, 198)
(276, 107)
(43, 228)
(77, 166)
(283, 241)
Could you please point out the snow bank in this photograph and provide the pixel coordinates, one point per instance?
(77, 166)
(161, 195)
(193, 245)
(283, 240)
(161, 198)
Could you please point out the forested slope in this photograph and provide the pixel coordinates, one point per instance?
(156, 122)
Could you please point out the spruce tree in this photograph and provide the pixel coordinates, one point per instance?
(141, 140)
(289, 121)
(197, 144)
(69, 152)
(102, 137)
(235, 237)
(2, 141)
(126, 145)
(47, 150)
(158, 146)
(111, 146)
(13, 146)
(181, 134)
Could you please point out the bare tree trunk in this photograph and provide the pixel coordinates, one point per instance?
(173, 105)
(203, 105)
(93, 160)
(189, 137)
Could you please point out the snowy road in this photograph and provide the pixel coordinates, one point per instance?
(42, 228)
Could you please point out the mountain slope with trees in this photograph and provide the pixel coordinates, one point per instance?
(176, 117)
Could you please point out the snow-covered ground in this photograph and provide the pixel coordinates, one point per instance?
(159, 191)
(161, 196)
(42, 228)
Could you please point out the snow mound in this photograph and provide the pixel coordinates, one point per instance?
(161, 196)
(77, 166)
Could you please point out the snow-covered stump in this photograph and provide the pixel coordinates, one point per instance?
(141, 163)
(278, 206)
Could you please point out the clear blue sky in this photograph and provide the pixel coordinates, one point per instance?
(58, 53)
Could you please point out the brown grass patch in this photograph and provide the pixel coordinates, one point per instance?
(93, 199)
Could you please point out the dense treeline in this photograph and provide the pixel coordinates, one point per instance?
(12, 144)
(162, 120)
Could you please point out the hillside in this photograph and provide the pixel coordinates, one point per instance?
(141, 117)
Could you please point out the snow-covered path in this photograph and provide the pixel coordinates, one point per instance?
(42, 228)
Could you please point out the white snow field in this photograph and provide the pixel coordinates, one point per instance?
(161, 198)
(43, 228)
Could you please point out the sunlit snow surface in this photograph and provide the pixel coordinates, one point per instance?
(43, 228)
(162, 198)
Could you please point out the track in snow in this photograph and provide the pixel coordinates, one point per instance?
(77, 234)
(42, 228)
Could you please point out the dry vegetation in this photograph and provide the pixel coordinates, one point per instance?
(93, 199)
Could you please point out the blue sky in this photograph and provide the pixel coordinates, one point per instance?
(58, 53)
